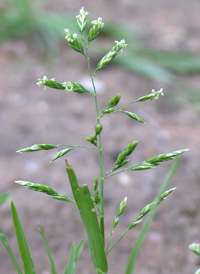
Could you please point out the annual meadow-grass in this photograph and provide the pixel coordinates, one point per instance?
(89, 199)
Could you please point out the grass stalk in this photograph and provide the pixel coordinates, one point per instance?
(140, 239)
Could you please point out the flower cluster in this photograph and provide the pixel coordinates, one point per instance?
(81, 19)
(156, 94)
(94, 31)
(111, 54)
(73, 41)
(52, 83)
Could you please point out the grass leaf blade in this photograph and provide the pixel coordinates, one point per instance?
(10, 252)
(22, 243)
(3, 197)
(52, 265)
(72, 260)
(79, 249)
(85, 205)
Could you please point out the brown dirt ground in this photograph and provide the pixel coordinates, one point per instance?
(30, 115)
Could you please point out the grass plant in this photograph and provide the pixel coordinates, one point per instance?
(90, 204)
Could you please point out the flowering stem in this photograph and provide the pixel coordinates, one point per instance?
(108, 251)
(100, 152)
(81, 146)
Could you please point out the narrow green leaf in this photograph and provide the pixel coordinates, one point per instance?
(37, 147)
(86, 208)
(61, 153)
(133, 116)
(72, 258)
(10, 252)
(22, 243)
(44, 189)
(52, 265)
(3, 197)
(79, 249)
(135, 251)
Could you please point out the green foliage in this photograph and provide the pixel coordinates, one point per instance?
(28, 265)
(10, 252)
(24, 250)
(152, 207)
(25, 19)
(91, 208)
(51, 262)
(74, 255)
(88, 214)
(3, 198)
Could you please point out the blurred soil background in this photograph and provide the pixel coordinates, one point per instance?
(163, 51)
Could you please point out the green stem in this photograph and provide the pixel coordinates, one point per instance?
(81, 146)
(108, 251)
(110, 238)
(118, 110)
(100, 153)
(111, 173)
(130, 103)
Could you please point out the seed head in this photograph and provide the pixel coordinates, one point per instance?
(156, 94)
(81, 19)
(98, 22)
(111, 54)
(94, 31)
(120, 45)
(73, 41)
